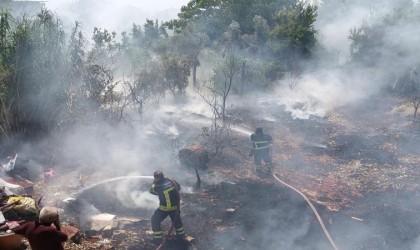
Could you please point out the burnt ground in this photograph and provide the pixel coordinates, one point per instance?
(359, 165)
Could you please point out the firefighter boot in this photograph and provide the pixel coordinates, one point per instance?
(260, 172)
(269, 169)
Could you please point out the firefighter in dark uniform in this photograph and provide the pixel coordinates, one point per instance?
(169, 199)
(261, 150)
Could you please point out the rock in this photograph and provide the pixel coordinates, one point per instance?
(129, 222)
(231, 210)
(107, 231)
(119, 235)
(189, 239)
(100, 221)
(73, 233)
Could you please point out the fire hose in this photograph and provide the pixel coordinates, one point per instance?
(313, 209)
(178, 211)
(321, 223)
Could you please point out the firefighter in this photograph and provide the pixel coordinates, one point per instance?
(261, 144)
(169, 201)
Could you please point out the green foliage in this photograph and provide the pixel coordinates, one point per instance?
(196, 11)
(4, 26)
(35, 94)
(176, 71)
(97, 80)
(77, 53)
(48, 83)
(106, 49)
(148, 86)
(214, 16)
(282, 31)
(255, 74)
(294, 27)
(153, 32)
(370, 39)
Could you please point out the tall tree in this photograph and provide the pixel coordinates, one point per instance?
(295, 27)
(36, 92)
(190, 44)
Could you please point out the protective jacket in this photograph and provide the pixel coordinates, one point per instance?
(260, 141)
(168, 196)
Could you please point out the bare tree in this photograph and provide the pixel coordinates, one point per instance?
(216, 136)
(414, 90)
(224, 75)
(292, 79)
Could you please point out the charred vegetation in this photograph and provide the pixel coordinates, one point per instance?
(91, 113)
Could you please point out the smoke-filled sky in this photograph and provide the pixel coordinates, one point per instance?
(115, 15)
(148, 6)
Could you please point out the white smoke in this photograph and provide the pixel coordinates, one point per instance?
(114, 15)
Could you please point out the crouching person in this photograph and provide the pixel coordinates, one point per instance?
(169, 201)
(41, 235)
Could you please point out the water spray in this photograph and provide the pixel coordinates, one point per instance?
(77, 193)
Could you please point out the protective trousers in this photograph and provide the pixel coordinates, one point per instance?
(262, 155)
(159, 216)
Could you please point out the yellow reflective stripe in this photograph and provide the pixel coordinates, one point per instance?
(153, 187)
(180, 230)
(163, 208)
(167, 197)
(157, 235)
(260, 142)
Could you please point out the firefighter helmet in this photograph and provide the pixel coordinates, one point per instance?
(259, 130)
(158, 175)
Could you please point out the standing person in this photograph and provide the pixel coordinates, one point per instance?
(41, 235)
(261, 150)
(169, 204)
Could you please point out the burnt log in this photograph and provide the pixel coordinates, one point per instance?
(195, 156)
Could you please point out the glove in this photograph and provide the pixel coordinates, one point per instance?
(251, 153)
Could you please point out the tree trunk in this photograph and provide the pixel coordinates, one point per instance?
(194, 75)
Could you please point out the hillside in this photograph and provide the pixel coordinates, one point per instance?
(358, 165)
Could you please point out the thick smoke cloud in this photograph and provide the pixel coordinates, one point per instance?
(346, 81)
(114, 15)
(103, 150)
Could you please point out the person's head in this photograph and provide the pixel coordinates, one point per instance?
(259, 130)
(158, 175)
(48, 215)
